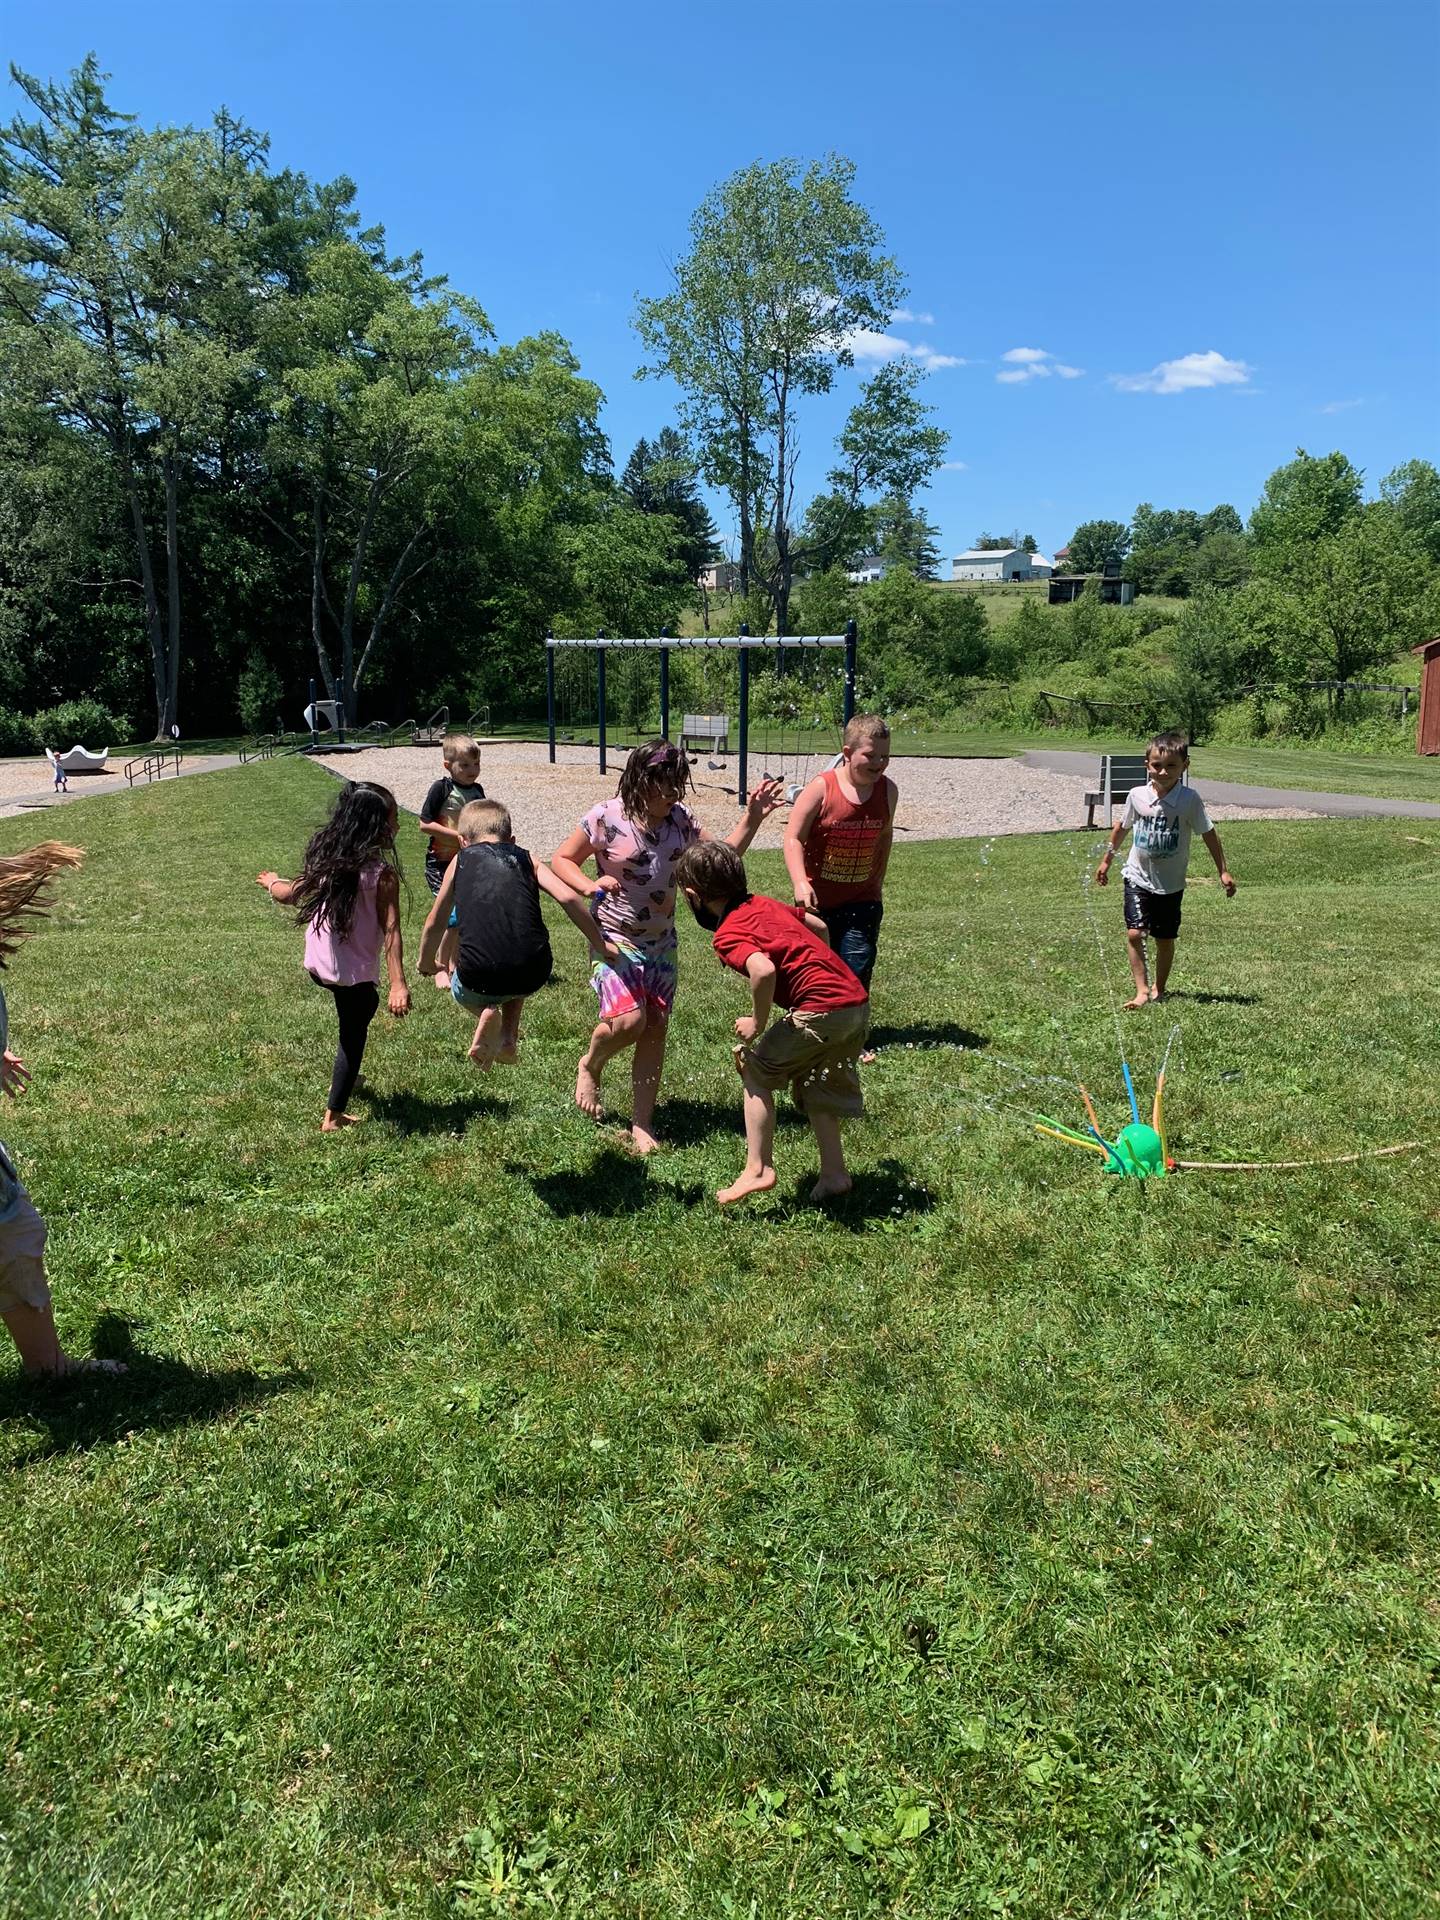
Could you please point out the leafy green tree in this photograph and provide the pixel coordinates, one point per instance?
(993, 543)
(784, 268)
(1220, 561)
(1310, 498)
(630, 576)
(1096, 544)
(126, 267)
(1413, 491)
(1337, 607)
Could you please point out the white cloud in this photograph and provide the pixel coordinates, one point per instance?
(916, 319)
(1189, 372)
(1034, 363)
(1341, 406)
(865, 343)
(954, 466)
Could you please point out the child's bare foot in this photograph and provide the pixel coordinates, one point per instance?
(481, 1055)
(1140, 1000)
(333, 1122)
(1157, 994)
(830, 1188)
(748, 1183)
(642, 1141)
(442, 980)
(68, 1367)
(507, 1054)
(587, 1093)
(869, 1056)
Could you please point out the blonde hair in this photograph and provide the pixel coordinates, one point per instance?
(483, 820)
(865, 726)
(459, 746)
(25, 889)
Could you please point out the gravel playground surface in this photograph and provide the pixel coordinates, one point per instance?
(939, 799)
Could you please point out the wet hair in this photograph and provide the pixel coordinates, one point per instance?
(459, 746)
(865, 726)
(25, 889)
(649, 761)
(479, 818)
(354, 837)
(713, 870)
(1168, 743)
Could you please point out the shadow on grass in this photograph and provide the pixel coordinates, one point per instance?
(417, 1113)
(157, 1393)
(943, 1033)
(616, 1182)
(884, 1193)
(1214, 999)
(686, 1123)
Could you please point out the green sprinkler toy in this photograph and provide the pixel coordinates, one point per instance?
(1137, 1152)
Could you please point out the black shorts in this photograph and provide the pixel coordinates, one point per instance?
(1157, 914)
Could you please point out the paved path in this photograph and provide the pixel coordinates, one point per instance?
(1232, 793)
(20, 793)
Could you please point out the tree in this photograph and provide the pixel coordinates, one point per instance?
(660, 478)
(903, 537)
(126, 267)
(1096, 544)
(993, 543)
(1413, 491)
(374, 423)
(1029, 544)
(1307, 499)
(784, 268)
(1344, 604)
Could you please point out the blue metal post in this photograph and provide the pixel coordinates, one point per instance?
(744, 716)
(664, 686)
(314, 696)
(600, 694)
(850, 649)
(550, 689)
(340, 706)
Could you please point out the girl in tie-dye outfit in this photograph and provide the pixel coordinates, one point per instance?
(635, 840)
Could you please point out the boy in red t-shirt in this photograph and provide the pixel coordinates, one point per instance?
(813, 1050)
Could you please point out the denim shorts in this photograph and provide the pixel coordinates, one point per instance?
(474, 1002)
(854, 929)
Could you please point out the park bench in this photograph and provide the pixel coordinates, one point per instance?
(1118, 773)
(711, 728)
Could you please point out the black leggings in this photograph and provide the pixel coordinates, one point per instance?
(355, 1008)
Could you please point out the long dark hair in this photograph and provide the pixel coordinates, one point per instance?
(354, 837)
(650, 761)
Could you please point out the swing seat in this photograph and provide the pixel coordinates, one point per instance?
(711, 728)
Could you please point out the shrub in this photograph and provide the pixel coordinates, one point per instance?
(17, 735)
(258, 694)
(78, 723)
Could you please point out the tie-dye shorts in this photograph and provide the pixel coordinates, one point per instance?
(645, 978)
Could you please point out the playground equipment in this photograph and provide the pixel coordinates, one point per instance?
(804, 704)
(79, 760)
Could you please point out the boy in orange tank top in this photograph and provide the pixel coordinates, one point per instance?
(837, 843)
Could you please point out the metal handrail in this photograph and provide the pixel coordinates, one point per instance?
(152, 766)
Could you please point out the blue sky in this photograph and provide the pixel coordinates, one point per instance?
(1216, 225)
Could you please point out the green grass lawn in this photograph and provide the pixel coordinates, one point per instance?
(488, 1525)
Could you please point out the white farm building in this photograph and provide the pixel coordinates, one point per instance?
(991, 563)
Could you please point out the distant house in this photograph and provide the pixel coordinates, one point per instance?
(990, 563)
(867, 568)
(722, 577)
(1000, 563)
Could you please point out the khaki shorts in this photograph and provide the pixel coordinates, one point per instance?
(815, 1055)
(22, 1259)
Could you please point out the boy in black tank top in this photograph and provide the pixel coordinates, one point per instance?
(504, 955)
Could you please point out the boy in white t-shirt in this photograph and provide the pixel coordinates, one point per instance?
(1163, 813)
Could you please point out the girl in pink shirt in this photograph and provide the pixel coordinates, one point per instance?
(348, 896)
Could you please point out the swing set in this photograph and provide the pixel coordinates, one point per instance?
(798, 688)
